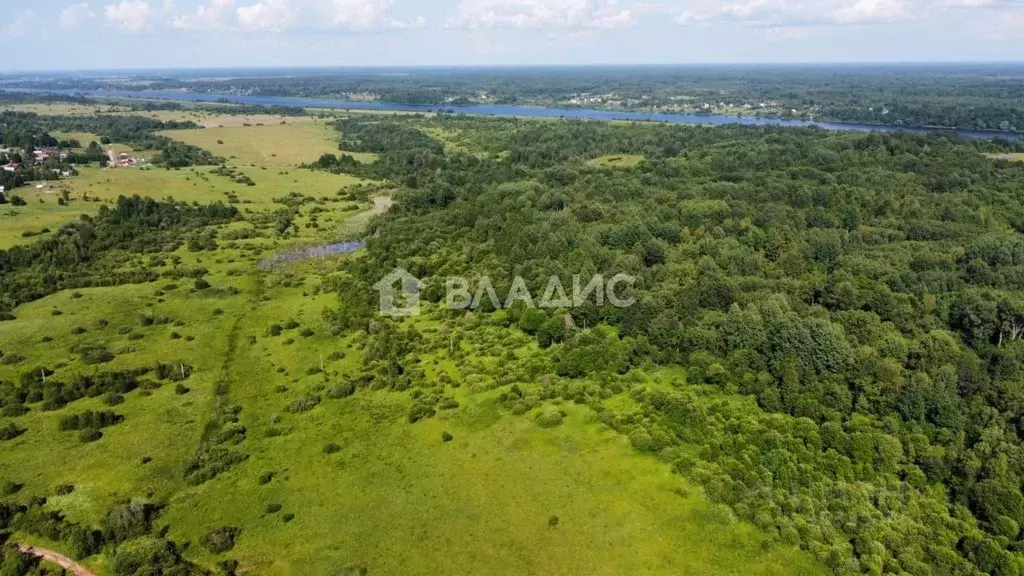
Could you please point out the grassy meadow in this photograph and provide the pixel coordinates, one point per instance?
(617, 161)
(504, 496)
(1011, 156)
(269, 155)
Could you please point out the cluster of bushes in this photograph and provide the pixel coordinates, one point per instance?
(37, 385)
(85, 253)
(126, 531)
(218, 452)
(220, 540)
(89, 420)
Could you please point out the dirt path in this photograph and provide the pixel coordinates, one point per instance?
(55, 558)
(357, 223)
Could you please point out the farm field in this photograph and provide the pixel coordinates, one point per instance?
(268, 145)
(268, 155)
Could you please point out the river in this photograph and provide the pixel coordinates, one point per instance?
(510, 111)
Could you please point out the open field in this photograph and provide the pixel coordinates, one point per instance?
(66, 109)
(617, 161)
(1015, 157)
(188, 184)
(267, 145)
(266, 154)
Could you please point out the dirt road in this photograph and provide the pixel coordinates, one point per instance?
(55, 558)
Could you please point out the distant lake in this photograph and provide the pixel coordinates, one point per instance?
(513, 111)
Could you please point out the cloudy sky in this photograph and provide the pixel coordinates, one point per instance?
(106, 34)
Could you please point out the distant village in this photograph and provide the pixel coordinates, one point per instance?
(21, 166)
(15, 158)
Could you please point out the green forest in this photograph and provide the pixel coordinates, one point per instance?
(864, 290)
(825, 354)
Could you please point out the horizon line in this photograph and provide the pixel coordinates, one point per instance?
(250, 67)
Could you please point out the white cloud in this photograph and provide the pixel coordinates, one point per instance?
(417, 22)
(217, 14)
(872, 11)
(541, 14)
(129, 15)
(356, 14)
(787, 13)
(274, 15)
(803, 13)
(280, 15)
(14, 28)
(73, 15)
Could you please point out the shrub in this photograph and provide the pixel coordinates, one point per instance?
(201, 284)
(127, 521)
(306, 333)
(228, 567)
(303, 404)
(419, 412)
(273, 508)
(553, 521)
(549, 420)
(180, 389)
(13, 410)
(12, 359)
(220, 540)
(446, 437)
(291, 324)
(331, 448)
(288, 517)
(89, 435)
(10, 432)
(113, 399)
(146, 460)
(78, 330)
(343, 390)
(266, 477)
(93, 354)
(8, 488)
(65, 489)
(275, 330)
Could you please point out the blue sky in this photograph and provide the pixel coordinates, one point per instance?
(105, 34)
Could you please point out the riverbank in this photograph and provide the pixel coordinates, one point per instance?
(512, 111)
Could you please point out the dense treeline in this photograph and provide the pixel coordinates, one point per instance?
(866, 291)
(126, 532)
(86, 252)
